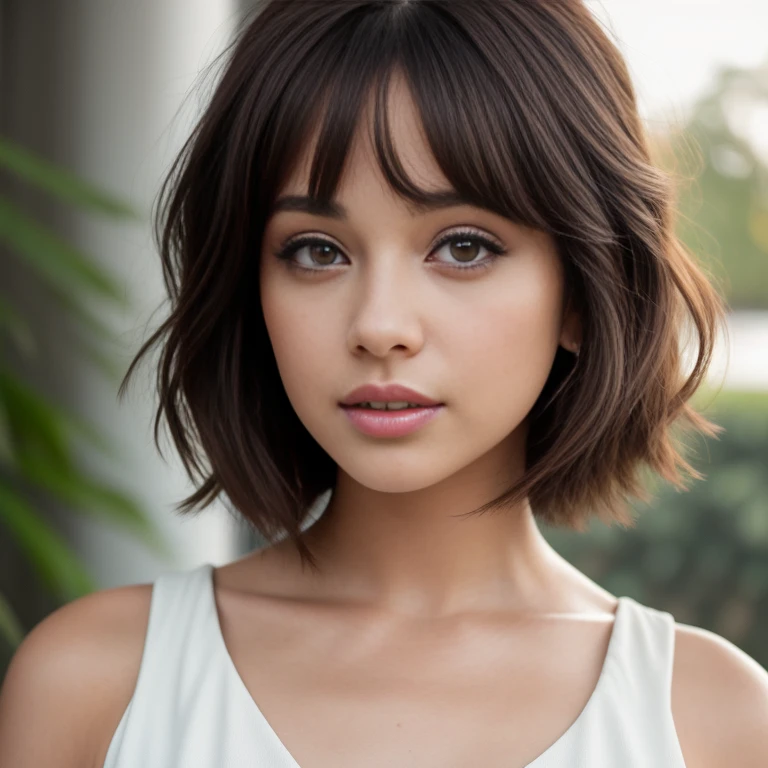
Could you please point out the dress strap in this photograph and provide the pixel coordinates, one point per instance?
(646, 650)
(637, 723)
(173, 663)
(628, 721)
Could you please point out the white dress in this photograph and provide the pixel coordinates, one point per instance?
(191, 708)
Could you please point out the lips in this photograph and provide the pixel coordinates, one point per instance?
(386, 393)
(391, 424)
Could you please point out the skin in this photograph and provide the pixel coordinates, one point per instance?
(427, 640)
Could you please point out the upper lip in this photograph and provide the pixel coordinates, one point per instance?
(386, 393)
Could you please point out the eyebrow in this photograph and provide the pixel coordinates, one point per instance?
(335, 210)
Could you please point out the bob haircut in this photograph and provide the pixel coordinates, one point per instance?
(530, 112)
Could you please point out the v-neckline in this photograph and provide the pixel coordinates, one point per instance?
(611, 653)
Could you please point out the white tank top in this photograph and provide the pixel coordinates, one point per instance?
(191, 708)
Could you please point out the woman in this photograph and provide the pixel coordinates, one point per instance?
(446, 209)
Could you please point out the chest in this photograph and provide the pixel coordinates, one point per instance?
(342, 691)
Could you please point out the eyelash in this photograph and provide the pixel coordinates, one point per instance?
(286, 253)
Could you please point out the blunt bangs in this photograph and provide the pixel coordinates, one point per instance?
(481, 153)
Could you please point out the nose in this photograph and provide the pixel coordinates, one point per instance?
(387, 313)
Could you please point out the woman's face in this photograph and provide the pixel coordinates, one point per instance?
(383, 305)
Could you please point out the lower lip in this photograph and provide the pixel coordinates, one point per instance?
(391, 423)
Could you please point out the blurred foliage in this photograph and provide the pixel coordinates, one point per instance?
(700, 554)
(721, 157)
(36, 434)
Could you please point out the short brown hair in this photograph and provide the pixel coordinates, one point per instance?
(530, 112)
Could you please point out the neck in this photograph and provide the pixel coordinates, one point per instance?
(413, 553)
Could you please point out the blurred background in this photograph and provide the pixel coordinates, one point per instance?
(97, 97)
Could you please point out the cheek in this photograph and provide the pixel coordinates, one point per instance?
(506, 352)
(302, 343)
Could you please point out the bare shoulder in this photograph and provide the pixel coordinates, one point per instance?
(719, 701)
(71, 679)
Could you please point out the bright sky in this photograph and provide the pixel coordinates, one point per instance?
(673, 47)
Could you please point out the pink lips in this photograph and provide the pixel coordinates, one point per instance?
(379, 423)
(380, 393)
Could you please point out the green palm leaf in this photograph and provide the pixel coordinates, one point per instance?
(10, 627)
(58, 182)
(51, 558)
(17, 330)
(55, 261)
(83, 495)
(6, 447)
(39, 433)
(36, 426)
(36, 457)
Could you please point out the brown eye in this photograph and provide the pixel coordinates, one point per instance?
(322, 253)
(465, 250)
(465, 247)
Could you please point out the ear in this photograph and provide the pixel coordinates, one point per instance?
(570, 330)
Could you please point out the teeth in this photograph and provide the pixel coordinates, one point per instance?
(396, 406)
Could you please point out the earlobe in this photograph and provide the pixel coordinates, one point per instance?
(570, 345)
(570, 333)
